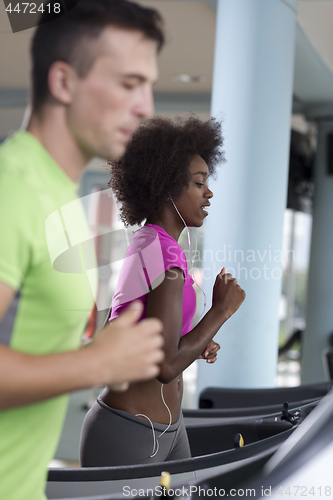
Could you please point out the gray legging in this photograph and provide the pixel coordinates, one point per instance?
(111, 437)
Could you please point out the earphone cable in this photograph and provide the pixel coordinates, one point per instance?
(156, 445)
(190, 259)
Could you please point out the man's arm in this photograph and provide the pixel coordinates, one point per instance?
(122, 352)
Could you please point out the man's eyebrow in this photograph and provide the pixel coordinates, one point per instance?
(137, 77)
(134, 77)
(201, 173)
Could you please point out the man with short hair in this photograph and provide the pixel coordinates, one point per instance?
(92, 74)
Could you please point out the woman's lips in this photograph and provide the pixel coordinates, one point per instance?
(203, 207)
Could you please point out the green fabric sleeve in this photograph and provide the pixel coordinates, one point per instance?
(19, 235)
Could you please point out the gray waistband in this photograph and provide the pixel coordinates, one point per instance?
(141, 421)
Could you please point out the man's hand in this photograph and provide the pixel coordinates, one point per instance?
(121, 353)
(210, 353)
(125, 350)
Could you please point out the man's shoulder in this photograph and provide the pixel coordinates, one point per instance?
(13, 185)
(22, 164)
(13, 156)
(17, 198)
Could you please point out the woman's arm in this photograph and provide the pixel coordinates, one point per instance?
(166, 303)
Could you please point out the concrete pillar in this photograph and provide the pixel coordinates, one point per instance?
(252, 92)
(319, 316)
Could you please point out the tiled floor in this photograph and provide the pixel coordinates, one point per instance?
(288, 374)
(56, 463)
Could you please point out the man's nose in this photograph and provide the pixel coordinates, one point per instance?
(145, 106)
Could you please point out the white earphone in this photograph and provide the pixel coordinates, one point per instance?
(191, 259)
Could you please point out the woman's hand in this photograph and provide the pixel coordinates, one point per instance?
(210, 353)
(227, 295)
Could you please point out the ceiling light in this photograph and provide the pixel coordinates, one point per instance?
(184, 78)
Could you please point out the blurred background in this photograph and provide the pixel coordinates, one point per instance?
(194, 72)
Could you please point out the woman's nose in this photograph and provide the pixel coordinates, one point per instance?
(209, 193)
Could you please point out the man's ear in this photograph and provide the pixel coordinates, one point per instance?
(61, 80)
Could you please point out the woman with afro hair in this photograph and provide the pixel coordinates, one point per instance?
(161, 182)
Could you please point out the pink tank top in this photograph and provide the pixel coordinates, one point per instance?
(151, 252)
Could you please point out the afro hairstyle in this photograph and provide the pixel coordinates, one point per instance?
(156, 163)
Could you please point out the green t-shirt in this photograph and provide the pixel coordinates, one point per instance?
(44, 247)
